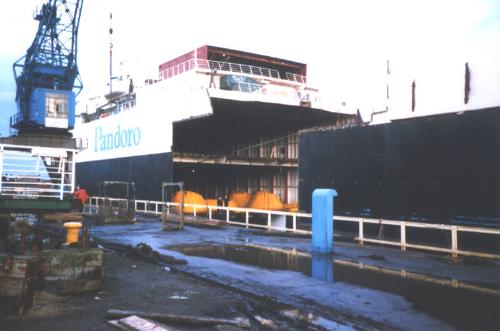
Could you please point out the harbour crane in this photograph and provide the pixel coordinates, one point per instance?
(47, 77)
(37, 166)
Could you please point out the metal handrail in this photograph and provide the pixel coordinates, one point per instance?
(237, 68)
(229, 67)
(156, 208)
(296, 77)
(24, 173)
(248, 87)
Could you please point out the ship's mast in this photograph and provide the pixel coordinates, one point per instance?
(110, 54)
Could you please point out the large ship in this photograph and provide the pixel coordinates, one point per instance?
(431, 151)
(222, 120)
(217, 119)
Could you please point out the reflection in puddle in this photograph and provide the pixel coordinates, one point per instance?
(462, 305)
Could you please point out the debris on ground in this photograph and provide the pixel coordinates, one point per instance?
(184, 295)
(148, 288)
(197, 221)
(135, 323)
(222, 327)
(267, 323)
(313, 320)
(179, 319)
(144, 253)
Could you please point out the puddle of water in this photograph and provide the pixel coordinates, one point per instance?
(460, 307)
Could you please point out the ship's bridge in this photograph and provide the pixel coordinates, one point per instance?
(246, 76)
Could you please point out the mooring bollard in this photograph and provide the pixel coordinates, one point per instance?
(72, 231)
(322, 220)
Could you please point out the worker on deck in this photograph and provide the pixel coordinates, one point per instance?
(81, 195)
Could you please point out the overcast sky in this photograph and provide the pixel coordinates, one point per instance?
(344, 43)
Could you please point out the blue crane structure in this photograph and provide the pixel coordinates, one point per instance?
(47, 77)
(37, 166)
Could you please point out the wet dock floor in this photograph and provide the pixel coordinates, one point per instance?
(358, 285)
(474, 308)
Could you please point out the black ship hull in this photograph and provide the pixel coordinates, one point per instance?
(146, 171)
(442, 167)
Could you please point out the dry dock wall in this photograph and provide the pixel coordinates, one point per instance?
(441, 167)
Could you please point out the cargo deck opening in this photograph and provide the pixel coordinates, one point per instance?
(244, 146)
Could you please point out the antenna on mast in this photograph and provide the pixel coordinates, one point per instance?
(110, 54)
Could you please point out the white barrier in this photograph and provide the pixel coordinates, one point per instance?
(156, 208)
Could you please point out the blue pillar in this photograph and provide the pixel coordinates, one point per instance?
(322, 267)
(322, 220)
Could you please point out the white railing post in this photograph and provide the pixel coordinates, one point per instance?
(94, 202)
(63, 172)
(73, 172)
(454, 241)
(209, 212)
(403, 236)
(194, 210)
(360, 234)
(156, 207)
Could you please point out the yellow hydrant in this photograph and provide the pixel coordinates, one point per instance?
(72, 231)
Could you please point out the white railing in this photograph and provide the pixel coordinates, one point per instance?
(229, 67)
(177, 69)
(30, 172)
(244, 217)
(296, 78)
(238, 68)
(248, 87)
(403, 229)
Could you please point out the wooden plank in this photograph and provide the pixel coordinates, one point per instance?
(135, 323)
(181, 319)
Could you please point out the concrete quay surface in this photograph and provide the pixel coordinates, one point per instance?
(357, 287)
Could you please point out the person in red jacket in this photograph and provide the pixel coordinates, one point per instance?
(81, 195)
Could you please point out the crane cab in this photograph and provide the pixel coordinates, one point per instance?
(49, 109)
